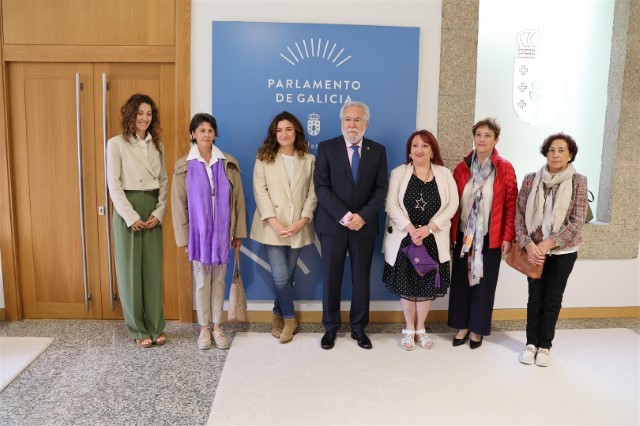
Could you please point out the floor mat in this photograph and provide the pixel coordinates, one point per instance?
(594, 379)
(16, 353)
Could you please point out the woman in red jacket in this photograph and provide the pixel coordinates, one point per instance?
(483, 229)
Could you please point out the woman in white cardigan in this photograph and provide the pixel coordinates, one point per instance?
(285, 201)
(421, 200)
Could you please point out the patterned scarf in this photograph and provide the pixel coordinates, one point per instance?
(209, 225)
(473, 239)
(544, 211)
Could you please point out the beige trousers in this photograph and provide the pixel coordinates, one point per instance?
(210, 289)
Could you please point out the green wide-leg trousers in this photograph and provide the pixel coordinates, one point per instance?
(139, 269)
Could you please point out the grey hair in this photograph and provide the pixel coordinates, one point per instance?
(365, 108)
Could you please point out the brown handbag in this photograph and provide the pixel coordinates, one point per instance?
(237, 299)
(519, 260)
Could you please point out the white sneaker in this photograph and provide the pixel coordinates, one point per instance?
(543, 358)
(528, 355)
(221, 340)
(204, 340)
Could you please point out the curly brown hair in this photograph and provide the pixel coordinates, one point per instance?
(571, 144)
(269, 149)
(128, 114)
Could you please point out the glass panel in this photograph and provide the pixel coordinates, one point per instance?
(543, 67)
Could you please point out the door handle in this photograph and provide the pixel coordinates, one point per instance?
(87, 295)
(114, 296)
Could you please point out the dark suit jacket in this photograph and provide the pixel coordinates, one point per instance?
(338, 194)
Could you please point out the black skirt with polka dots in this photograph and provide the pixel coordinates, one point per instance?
(422, 201)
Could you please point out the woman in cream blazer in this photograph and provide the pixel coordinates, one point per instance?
(421, 200)
(285, 201)
(137, 182)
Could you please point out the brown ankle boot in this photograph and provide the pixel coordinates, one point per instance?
(290, 328)
(277, 325)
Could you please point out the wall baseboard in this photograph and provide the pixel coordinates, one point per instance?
(438, 315)
(441, 315)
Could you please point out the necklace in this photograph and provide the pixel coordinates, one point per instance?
(421, 203)
(427, 178)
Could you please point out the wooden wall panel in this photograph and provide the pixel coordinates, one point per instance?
(55, 53)
(12, 298)
(89, 22)
(94, 31)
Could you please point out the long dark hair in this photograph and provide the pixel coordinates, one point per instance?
(128, 114)
(269, 149)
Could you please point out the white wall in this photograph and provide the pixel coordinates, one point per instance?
(572, 51)
(593, 283)
(572, 48)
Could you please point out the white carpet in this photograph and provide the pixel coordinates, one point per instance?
(16, 353)
(594, 379)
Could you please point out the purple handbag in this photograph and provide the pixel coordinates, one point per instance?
(421, 261)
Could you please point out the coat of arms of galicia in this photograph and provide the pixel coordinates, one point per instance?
(313, 125)
(537, 93)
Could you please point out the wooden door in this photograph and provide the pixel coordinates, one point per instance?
(50, 185)
(123, 80)
(46, 182)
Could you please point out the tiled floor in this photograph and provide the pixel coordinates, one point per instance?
(92, 374)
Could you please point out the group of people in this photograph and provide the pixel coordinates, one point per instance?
(444, 231)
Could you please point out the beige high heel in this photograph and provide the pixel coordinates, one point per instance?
(161, 340)
(145, 342)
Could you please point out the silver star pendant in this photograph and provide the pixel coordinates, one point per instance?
(421, 203)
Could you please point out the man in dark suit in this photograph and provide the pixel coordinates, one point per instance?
(351, 185)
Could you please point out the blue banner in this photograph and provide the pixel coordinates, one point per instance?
(310, 70)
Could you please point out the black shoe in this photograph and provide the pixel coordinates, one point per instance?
(363, 340)
(328, 340)
(475, 345)
(460, 342)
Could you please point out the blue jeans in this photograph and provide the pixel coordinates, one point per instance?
(282, 260)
